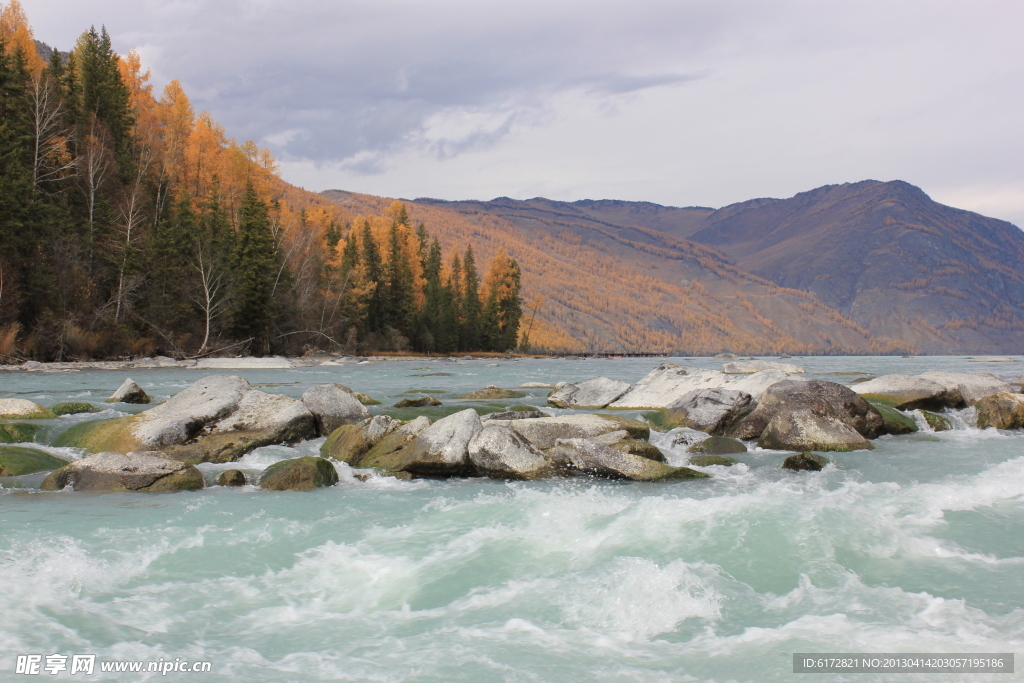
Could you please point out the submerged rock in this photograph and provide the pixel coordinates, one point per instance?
(810, 462)
(895, 422)
(217, 419)
(73, 408)
(18, 460)
(500, 453)
(492, 392)
(231, 478)
(713, 411)
(751, 366)
(584, 455)
(299, 474)
(1002, 411)
(18, 432)
(150, 471)
(421, 402)
(698, 460)
(129, 392)
(718, 445)
(22, 409)
(594, 393)
(333, 405)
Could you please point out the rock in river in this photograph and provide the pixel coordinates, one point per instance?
(22, 409)
(1002, 411)
(150, 471)
(333, 405)
(713, 411)
(583, 455)
(129, 392)
(217, 419)
(299, 474)
(500, 453)
(594, 393)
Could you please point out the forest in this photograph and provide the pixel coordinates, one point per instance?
(130, 225)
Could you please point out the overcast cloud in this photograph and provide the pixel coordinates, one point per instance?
(680, 103)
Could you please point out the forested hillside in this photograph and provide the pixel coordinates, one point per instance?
(131, 224)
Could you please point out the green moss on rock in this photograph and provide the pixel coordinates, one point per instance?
(74, 408)
(18, 432)
(937, 422)
(893, 421)
(299, 474)
(709, 460)
(17, 460)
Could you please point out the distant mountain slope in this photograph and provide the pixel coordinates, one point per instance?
(889, 257)
(883, 255)
(610, 287)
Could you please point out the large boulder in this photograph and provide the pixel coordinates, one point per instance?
(440, 450)
(828, 400)
(17, 460)
(967, 388)
(217, 419)
(1002, 411)
(543, 432)
(904, 392)
(146, 471)
(805, 429)
(500, 453)
(668, 383)
(22, 409)
(129, 392)
(299, 474)
(713, 411)
(748, 367)
(333, 405)
(589, 457)
(594, 393)
(350, 443)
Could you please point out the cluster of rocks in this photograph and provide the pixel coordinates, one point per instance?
(221, 417)
(506, 446)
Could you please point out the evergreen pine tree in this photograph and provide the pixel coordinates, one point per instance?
(255, 264)
(374, 321)
(471, 306)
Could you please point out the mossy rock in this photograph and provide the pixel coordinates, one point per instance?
(364, 399)
(709, 460)
(74, 408)
(641, 448)
(393, 452)
(420, 402)
(231, 478)
(492, 393)
(637, 429)
(939, 423)
(102, 436)
(19, 432)
(435, 413)
(345, 444)
(299, 474)
(717, 445)
(883, 400)
(893, 421)
(810, 462)
(21, 409)
(523, 409)
(16, 460)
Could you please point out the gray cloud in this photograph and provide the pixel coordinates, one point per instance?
(670, 101)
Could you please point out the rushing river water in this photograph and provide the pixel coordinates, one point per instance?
(917, 546)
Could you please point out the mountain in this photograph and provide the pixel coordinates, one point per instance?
(630, 288)
(863, 267)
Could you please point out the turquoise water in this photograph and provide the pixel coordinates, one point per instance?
(914, 547)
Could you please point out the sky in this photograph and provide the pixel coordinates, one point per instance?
(680, 102)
